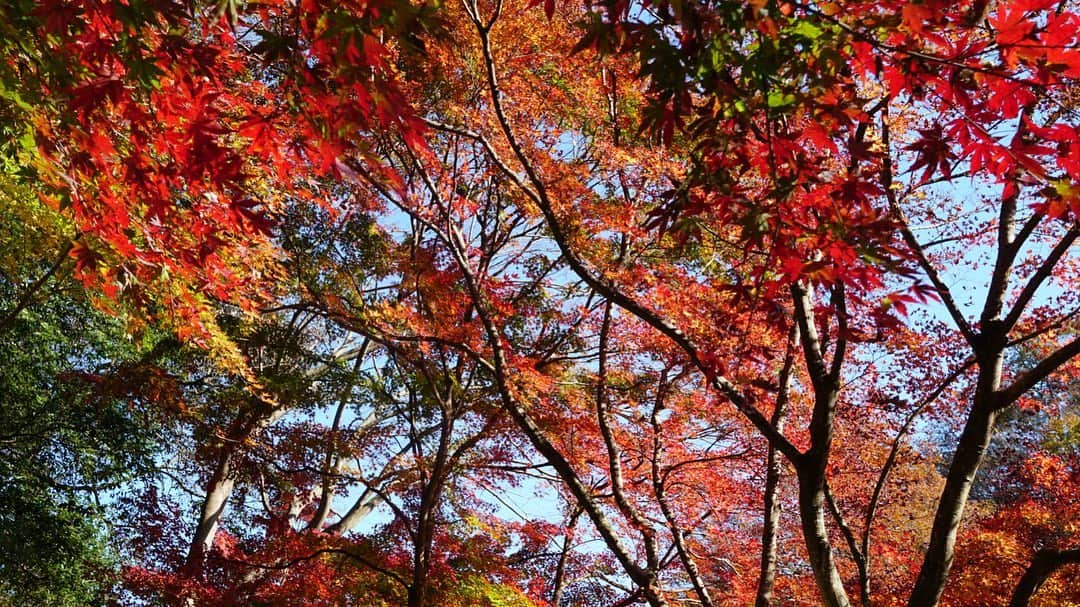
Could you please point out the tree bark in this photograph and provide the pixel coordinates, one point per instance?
(939, 554)
(221, 484)
(1043, 565)
(767, 570)
(811, 466)
(559, 583)
(857, 555)
(816, 536)
(217, 495)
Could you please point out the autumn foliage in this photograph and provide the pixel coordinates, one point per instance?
(547, 303)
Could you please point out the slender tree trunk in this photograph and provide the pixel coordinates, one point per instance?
(857, 554)
(767, 571)
(811, 466)
(644, 578)
(418, 587)
(422, 552)
(939, 554)
(1043, 565)
(685, 556)
(559, 583)
(221, 484)
(331, 461)
(816, 536)
(430, 496)
(970, 451)
(364, 506)
(217, 494)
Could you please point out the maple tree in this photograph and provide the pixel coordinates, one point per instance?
(703, 275)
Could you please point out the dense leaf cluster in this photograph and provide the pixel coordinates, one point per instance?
(512, 303)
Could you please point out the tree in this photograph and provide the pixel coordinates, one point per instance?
(703, 269)
(68, 437)
(66, 443)
(731, 53)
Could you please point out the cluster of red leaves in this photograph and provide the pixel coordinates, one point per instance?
(785, 157)
(180, 134)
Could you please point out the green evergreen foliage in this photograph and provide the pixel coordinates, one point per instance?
(63, 446)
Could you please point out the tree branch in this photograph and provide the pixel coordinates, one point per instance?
(1042, 566)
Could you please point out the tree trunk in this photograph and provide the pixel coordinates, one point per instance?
(1043, 565)
(939, 555)
(559, 582)
(221, 484)
(767, 573)
(217, 494)
(816, 535)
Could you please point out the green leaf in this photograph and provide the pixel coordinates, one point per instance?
(780, 99)
(807, 30)
(14, 97)
(27, 141)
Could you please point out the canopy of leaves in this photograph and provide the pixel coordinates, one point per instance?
(519, 303)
